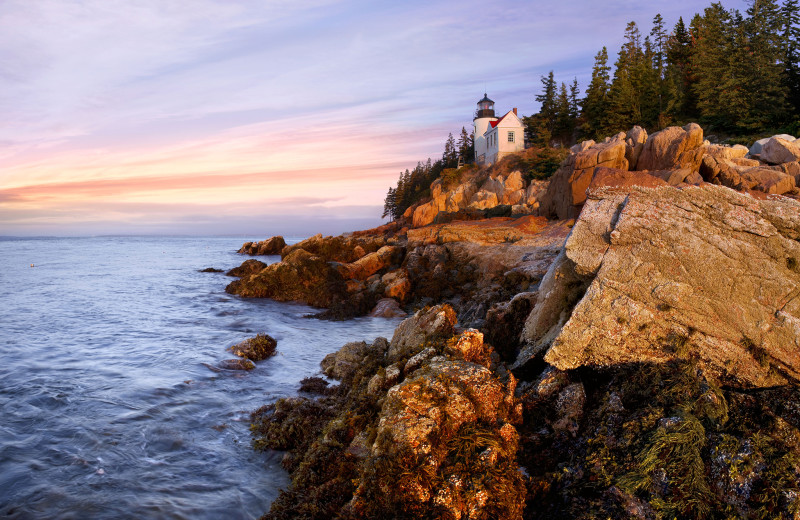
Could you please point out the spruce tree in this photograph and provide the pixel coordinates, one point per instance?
(765, 75)
(450, 155)
(625, 95)
(681, 104)
(791, 36)
(595, 104)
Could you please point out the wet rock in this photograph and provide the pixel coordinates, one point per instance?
(271, 246)
(340, 248)
(314, 385)
(426, 325)
(211, 270)
(343, 363)
(257, 348)
(236, 364)
(504, 323)
(301, 276)
(388, 308)
(247, 268)
(453, 419)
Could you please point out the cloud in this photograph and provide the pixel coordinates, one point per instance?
(200, 101)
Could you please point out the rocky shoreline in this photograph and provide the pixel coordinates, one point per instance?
(622, 341)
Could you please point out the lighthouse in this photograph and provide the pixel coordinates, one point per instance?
(483, 118)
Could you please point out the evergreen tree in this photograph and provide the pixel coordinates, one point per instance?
(539, 127)
(718, 46)
(450, 155)
(595, 104)
(390, 205)
(764, 77)
(625, 95)
(791, 36)
(564, 123)
(678, 73)
(663, 89)
(465, 146)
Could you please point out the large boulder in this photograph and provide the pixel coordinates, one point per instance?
(371, 263)
(424, 214)
(248, 267)
(623, 178)
(256, 348)
(483, 199)
(634, 141)
(758, 146)
(270, 246)
(652, 275)
(388, 308)
(301, 276)
(778, 151)
(426, 325)
(671, 148)
(342, 248)
(566, 192)
(768, 180)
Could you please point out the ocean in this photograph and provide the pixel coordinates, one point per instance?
(111, 402)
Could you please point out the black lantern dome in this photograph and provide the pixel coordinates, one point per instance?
(485, 107)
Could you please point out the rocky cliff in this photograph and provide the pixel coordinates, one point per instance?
(635, 356)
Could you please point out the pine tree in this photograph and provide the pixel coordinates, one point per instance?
(595, 104)
(791, 60)
(625, 95)
(765, 76)
(548, 97)
(681, 102)
(539, 127)
(450, 155)
(390, 205)
(718, 45)
(564, 122)
(465, 147)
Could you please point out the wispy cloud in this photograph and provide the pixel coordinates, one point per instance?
(200, 101)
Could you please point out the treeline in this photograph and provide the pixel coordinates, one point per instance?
(734, 73)
(415, 184)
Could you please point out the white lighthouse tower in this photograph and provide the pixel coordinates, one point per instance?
(483, 118)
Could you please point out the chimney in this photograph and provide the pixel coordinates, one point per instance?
(515, 110)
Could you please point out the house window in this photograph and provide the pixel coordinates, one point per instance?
(511, 137)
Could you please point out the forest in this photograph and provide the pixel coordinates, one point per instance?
(737, 74)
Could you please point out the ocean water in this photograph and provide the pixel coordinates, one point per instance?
(110, 403)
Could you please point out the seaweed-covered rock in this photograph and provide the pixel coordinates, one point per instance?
(247, 268)
(445, 447)
(270, 246)
(301, 276)
(257, 348)
(388, 308)
(342, 248)
(237, 364)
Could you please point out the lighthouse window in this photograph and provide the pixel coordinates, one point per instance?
(511, 137)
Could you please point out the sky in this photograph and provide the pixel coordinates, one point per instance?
(262, 117)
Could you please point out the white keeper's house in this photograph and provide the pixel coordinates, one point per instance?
(496, 137)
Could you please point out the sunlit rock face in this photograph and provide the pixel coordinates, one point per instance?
(658, 274)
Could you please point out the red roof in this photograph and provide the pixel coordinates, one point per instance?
(494, 123)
